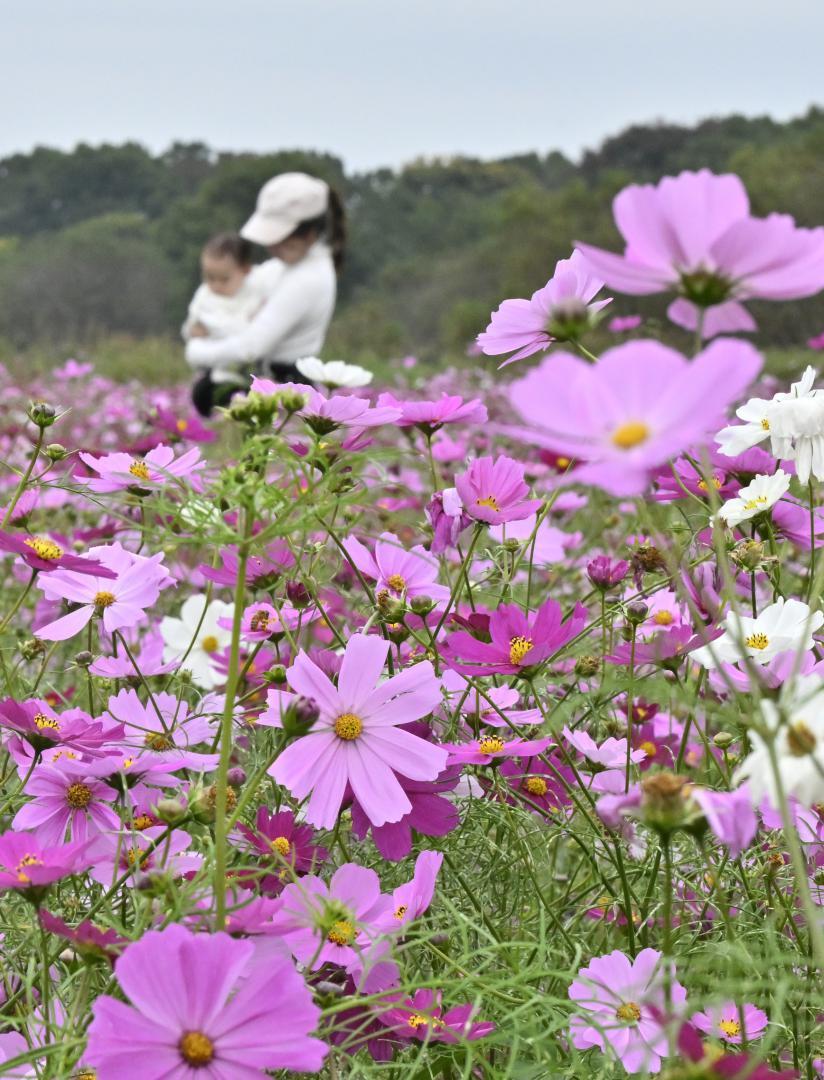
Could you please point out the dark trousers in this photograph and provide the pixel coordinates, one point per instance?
(208, 395)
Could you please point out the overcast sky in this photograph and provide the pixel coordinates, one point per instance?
(383, 81)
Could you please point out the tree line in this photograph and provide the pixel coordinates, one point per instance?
(105, 239)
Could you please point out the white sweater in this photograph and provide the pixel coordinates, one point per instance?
(291, 324)
(223, 316)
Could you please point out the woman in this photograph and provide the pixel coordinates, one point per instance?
(300, 220)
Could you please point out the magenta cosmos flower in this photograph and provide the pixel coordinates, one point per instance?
(724, 1022)
(117, 472)
(491, 748)
(429, 416)
(494, 491)
(201, 1008)
(620, 1003)
(284, 847)
(693, 234)
(121, 601)
(28, 865)
(422, 1018)
(640, 406)
(396, 571)
(518, 641)
(67, 796)
(560, 311)
(357, 739)
(43, 554)
(728, 1066)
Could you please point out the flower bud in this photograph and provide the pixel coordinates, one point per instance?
(751, 555)
(56, 452)
(276, 675)
(236, 776)
(606, 574)
(587, 666)
(297, 594)
(665, 803)
(299, 718)
(723, 740)
(32, 648)
(170, 811)
(84, 658)
(636, 612)
(422, 605)
(42, 414)
(391, 610)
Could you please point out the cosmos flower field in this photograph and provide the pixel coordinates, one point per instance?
(470, 725)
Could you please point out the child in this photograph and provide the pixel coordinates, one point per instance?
(231, 294)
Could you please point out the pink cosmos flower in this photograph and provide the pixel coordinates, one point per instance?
(200, 1007)
(43, 554)
(324, 414)
(724, 1022)
(336, 923)
(730, 816)
(620, 1006)
(36, 722)
(88, 939)
(413, 898)
(693, 234)
(429, 416)
(67, 796)
(622, 324)
(148, 660)
(262, 621)
(118, 472)
(121, 601)
(493, 490)
(261, 569)
(422, 1018)
(358, 738)
(134, 853)
(26, 864)
(494, 709)
(559, 311)
(491, 748)
(640, 406)
(395, 570)
(162, 726)
(446, 514)
(540, 787)
(518, 642)
(667, 647)
(285, 848)
(729, 1066)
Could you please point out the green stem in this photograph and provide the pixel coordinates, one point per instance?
(24, 479)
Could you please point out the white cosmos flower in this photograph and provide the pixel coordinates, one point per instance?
(785, 626)
(209, 638)
(793, 421)
(334, 373)
(797, 722)
(761, 494)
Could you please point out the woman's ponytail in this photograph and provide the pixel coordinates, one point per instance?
(336, 228)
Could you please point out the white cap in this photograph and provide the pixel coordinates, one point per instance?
(283, 203)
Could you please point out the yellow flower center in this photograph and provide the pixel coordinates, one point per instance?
(562, 462)
(757, 641)
(518, 648)
(181, 425)
(801, 741)
(86, 1074)
(536, 785)
(42, 721)
(209, 644)
(27, 860)
(765, 424)
(46, 549)
(78, 796)
(629, 1012)
(396, 582)
(348, 726)
(158, 741)
(490, 502)
(141, 822)
(281, 845)
(401, 911)
(139, 469)
(753, 504)
(196, 1049)
(104, 599)
(716, 483)
(630, 434)
(416, 1021)
(730, 1028)
(649, 748)
(491, 744)
(663, 618)
(342, 933)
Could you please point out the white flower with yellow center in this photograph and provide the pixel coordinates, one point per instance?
(797, 724)
(334, 373)
(756, 498)
(196, 638)
(785, 626)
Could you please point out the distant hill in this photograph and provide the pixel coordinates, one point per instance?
(105, 239)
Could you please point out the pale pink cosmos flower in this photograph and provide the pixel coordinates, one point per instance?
(559, 311)
(725, 1022)
(117, 472)
(67, 797)
(693, 234)
(121, 602)
(640, 406)
(357, 738)
(396, 570)
(429, 416)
